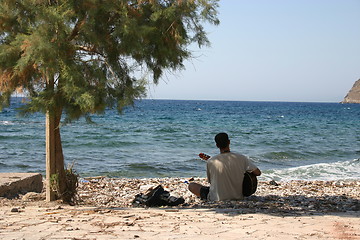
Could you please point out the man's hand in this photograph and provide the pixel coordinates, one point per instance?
(204, 156)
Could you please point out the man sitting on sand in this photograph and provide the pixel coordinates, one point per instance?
(225, 173)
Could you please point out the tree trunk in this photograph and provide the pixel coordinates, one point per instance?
(50, 155)
(54, 153)
(59, 157)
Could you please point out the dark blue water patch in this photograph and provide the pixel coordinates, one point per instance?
(3, 165)
(2, 137)
(21, 166)
(128, 174)
(20, 137)
(195, 169)
(139, 130)
(168, 130)
(143, 166)
(98, 144)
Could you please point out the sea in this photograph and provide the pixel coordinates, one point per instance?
(162, 138)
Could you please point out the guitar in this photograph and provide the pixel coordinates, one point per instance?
(250, 180)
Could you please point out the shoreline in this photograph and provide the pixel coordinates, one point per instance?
(283, 197)
(291, 210)
(292, 197)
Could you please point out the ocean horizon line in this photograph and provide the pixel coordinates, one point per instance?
(222, 100)
(229, 100)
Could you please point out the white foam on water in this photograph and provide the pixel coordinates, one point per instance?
(6, 123)
(342, 170)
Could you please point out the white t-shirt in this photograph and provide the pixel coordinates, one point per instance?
(225, 173)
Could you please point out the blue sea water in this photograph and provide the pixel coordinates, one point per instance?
(162, 138)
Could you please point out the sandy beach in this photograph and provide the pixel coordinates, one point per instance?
(285, 210)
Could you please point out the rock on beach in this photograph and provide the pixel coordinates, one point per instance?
(13, 184)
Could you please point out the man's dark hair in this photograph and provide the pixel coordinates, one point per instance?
(222, 140)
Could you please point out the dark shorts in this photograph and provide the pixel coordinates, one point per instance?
(204, 191)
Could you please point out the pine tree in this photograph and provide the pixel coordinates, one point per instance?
(77, 57)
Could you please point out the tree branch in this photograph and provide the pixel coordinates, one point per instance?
(90, 50)
(77, 28)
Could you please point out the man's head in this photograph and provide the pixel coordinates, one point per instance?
(222, 140)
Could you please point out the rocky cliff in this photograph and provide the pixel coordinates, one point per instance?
(354, 94)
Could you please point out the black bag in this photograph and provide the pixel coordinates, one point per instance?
(157, 197)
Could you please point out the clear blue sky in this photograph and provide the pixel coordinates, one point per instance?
(278, 50)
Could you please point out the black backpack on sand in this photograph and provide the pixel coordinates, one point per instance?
(157, 197)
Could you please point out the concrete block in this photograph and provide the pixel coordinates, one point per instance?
(13, 184)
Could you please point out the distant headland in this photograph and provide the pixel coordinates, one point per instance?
(353, 95)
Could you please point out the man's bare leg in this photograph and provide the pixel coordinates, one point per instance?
(195, 188)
